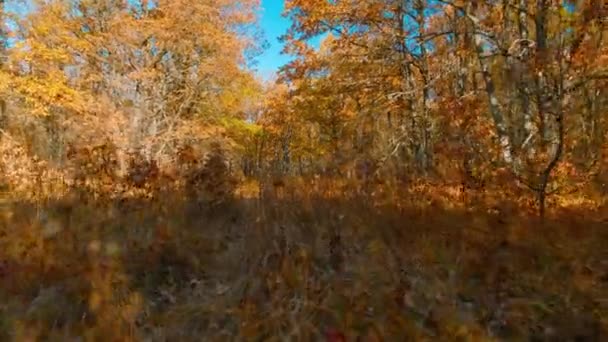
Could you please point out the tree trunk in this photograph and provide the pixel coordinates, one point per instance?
(558, 142)
(495, 111)
(425, 150)
(523, 84)
(3, 56)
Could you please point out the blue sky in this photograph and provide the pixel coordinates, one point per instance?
(274, 25)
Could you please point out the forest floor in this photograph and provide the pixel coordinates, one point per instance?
(298, 268)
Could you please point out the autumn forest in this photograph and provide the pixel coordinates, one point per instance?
(420, 170)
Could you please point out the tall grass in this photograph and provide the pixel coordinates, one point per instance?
(304, 265)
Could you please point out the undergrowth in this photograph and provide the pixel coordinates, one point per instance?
(298, 266)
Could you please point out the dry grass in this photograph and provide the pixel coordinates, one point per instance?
(299, 267)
